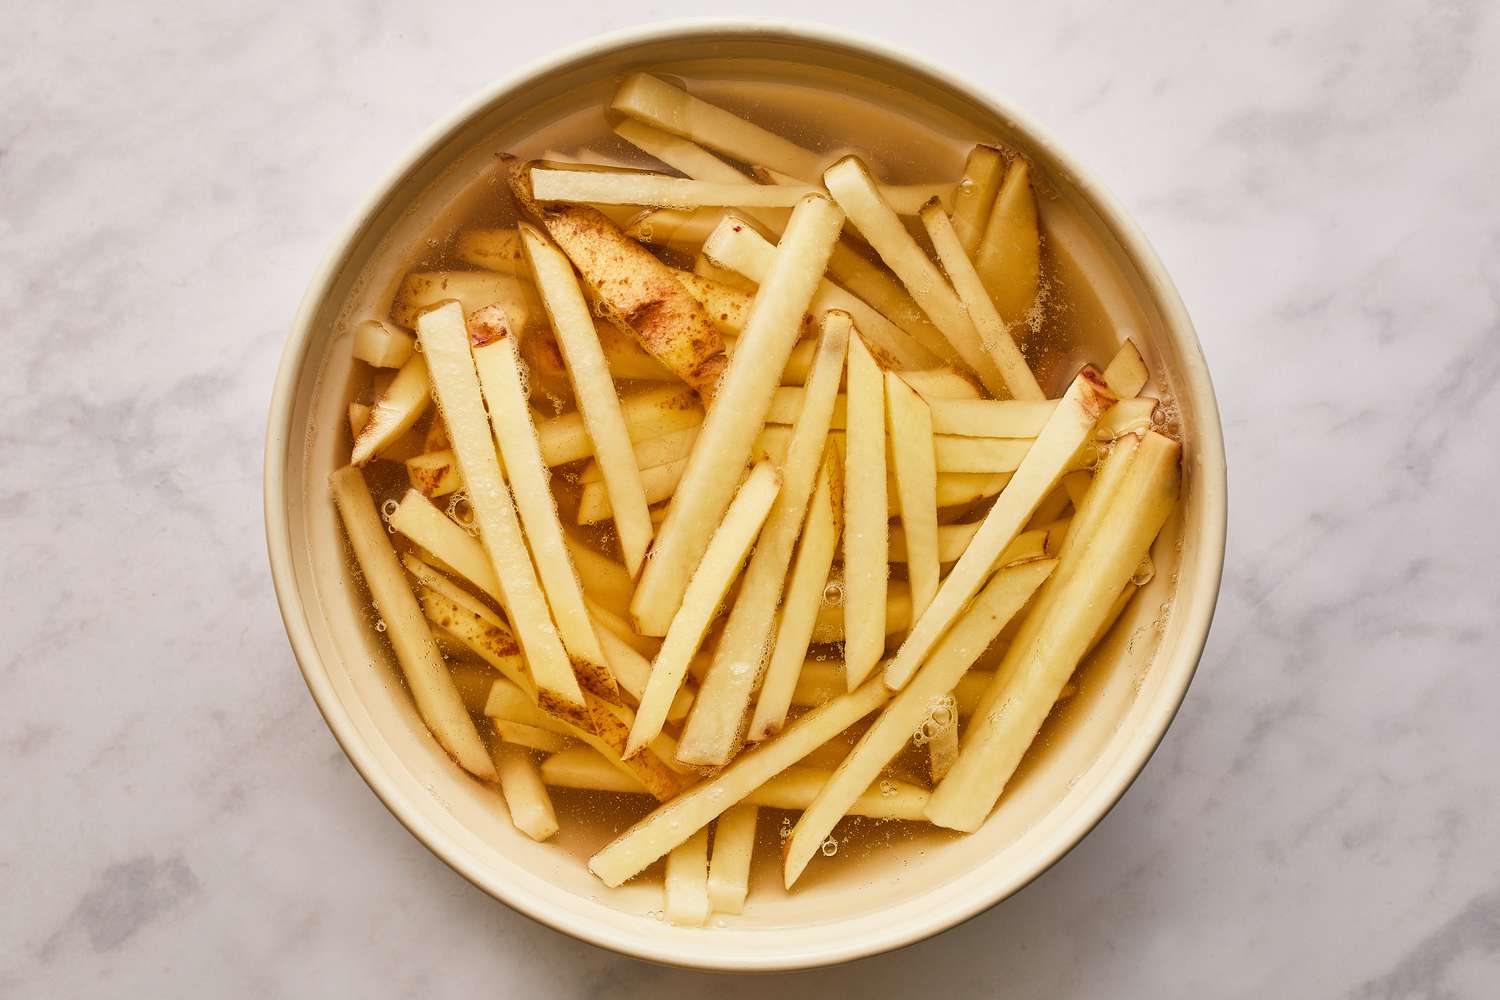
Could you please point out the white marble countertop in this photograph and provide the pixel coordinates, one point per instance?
(1321, 820)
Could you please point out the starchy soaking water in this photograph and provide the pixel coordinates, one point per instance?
(1080, 315)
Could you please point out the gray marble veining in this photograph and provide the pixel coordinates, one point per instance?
(1320, 821)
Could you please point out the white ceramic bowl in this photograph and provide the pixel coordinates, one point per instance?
(853, 906)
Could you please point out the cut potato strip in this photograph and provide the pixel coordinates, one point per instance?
(828, 626)
(473, 290)
(394, 411)
(598, 404)
(729, 869)
(432, 530)
(1128, 416)
(737, 246)
(492, 249)
(490, 640)
(914, 464)
(605, 581)
(804, 596)
(820, 681)
(619, 188)
(659, 483)
(908, 199)
(473, 681)
(632, 287)
(713, 730)
(721, 563)
(583, 767)
(729, 430)
(687, 882)
(633, 671)
(975, 196)
(381, 346)
(934, 384)
(626, 358)
(854, 189)
(655, 102)
(359, 415)
(953, 539)
(434, 473)
(1030, 678)
(1070, 425)
(674, 822)
(525, 795)
(865, 513)
(942, 744)
(648, 413)
(1002, 418)
(664, 450)
(1126, 374)
(678, 228)
(849, 269)
(1009, 257)
(728, 307)
(431, 685)
(500, 381)
(444, 337)
(976, 302)
(531, 737)
(992, 609)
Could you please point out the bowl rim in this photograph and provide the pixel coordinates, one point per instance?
(1208, 443)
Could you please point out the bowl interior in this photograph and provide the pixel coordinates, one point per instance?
(905, 881)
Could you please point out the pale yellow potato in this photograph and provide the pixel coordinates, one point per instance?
(1070, 425)
(626, 358)
(525, 795)
(1027, 683)
(607, 187)
(659, 482)
(975, 196)
(444, 336)
(473, 290)
(1009, 257)
(804, 597)
(914, 465)
(729, 867)
(675, 821)
(865, 511)
(828, 626)
(972, 632)
(434, 473)
(714, 727)
(500, 380)
(678, 228)
(721, 562)
(427, 677)
(492, 249)
(598, 405)
(359, 415)
(723, 447)
(664, 450)
(854, 189)
(531, 737)
(686, 882)
(632, 669)
(1126, 373)
(394, 411)
(822, 680)
(604, 581)
(647, 413)
(381, 346)
(976, 302)
(655, 102)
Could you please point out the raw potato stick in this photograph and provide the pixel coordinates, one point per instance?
(426, 675)
(659, 483)
(1030, 678)
(854, 189)
(473, 290)
(1005, 595)
(594, 389)
(820, 681)
(633, 671)
(1002, 418)
(531, 737)
(431, 529)
(1126, 373)
(713, 729)
(914, 463)
(399, 407)
(635, 289)
(687, 881)
(865, 511)
(976, 301)
(444, 337)
(525, 795)
(668, 448)
(1009, 256)
(605, 581)
(729, 868)
(735, 245)
(674, 822)
(1071, 424)
(492, 249)
(434, 473)
(611, 188)
(976, 195)
(500, 381)
(721, 563)
(804, 596)
(738, 414)
(655, 102)
(648, 413)
(381, 346)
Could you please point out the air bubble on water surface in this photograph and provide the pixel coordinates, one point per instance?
(833, 594)
(380, 624)
(786, 828)
(388, 509)
(887, 787)
(967, 185)
(1143, 574)
(645, 233)
(830, 847)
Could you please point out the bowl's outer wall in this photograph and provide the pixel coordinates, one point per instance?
(850, 909)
